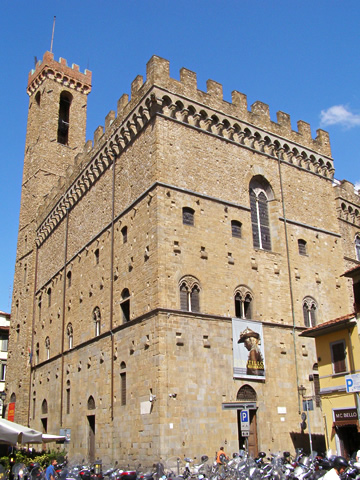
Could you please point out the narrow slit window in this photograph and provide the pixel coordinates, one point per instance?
(64, 118)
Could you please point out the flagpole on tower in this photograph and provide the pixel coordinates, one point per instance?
(52, 36)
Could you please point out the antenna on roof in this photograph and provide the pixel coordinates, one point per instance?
(52, 36)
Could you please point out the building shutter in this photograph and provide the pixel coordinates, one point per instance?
(338, 351)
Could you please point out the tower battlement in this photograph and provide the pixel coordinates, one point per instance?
(69, 76)
(158, 74)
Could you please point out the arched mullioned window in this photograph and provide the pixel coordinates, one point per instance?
(70, 335)
(189, 294)
(260, 193)
(243, 302)
(64, 118)
(357, 246)
(309, 311)
(97, 320)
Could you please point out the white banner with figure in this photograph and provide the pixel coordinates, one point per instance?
(248, 349)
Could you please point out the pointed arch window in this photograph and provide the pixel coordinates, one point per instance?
(260, 194)
(91, 403)
(309, 312)
(64, 118)
(190, 294)
(44, 407)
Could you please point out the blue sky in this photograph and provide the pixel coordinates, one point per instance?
(300, 57)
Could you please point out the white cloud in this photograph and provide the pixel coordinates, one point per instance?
(339, 115)
(357, 185)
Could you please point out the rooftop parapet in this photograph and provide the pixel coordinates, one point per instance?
(158, 74)
(69, 77)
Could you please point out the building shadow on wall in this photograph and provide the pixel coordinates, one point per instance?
(301, 440)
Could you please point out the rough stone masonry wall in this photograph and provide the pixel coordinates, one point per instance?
(193, 140)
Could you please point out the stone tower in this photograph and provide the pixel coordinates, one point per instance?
(56, 129)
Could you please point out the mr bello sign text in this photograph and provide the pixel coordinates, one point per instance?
(345, 414)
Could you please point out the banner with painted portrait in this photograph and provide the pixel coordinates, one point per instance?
(248, 349)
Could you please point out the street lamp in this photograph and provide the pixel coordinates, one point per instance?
(302, 391)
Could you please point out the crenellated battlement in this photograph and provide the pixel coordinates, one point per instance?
(180, 101)
(158, 73)
(68, 76)
(348, 202)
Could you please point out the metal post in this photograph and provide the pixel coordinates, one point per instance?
(308, 417)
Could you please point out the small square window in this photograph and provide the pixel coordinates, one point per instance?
(236, 229)
(302, 247)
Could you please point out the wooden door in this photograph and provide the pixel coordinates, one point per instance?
(252, 439)
(249, 443)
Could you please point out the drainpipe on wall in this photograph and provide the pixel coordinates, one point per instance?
(32, 330)
(112, 293)
(290, 282)
(63, 319)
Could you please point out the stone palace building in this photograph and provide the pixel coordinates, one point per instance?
(155, 261)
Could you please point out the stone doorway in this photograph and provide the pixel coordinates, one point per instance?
(247, 396)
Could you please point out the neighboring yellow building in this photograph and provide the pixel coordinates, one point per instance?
(338, 351)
